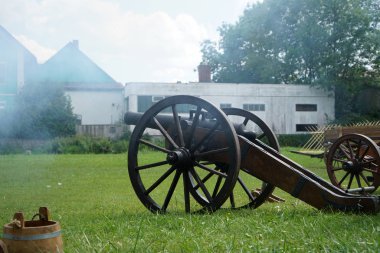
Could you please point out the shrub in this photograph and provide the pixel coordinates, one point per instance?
(120, 146)
(101, 146)
(293, 140)
(10, 148)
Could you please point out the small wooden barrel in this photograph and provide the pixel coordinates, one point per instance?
(41, 235)
(3, 248)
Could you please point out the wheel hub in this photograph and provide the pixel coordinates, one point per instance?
(353, 167)
(179, 157)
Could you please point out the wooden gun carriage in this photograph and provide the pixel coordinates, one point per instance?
(223, 155)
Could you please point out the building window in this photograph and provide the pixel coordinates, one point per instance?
(306, 127)
(155, 99)
(112, 130)
(254, 107)
(225, 106)
(126, 104)
(2, 105)
(144, 103)
(306, 107)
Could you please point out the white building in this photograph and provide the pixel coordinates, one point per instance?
(97, 106)
(96, 98)
(287, 109)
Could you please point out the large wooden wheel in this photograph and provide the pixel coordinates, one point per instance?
(248, 191)
(183, 150)
(353, 162)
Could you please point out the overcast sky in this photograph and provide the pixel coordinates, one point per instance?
(132, 40)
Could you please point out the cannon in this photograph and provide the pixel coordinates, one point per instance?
(206, 156)
(348, 160)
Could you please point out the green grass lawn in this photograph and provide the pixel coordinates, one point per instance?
(92, 198)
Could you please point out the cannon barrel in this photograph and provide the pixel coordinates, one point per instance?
(132, 118)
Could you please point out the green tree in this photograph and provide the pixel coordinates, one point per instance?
(42, 111)
(334, 44)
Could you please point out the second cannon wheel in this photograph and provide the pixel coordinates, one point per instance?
(243, 195)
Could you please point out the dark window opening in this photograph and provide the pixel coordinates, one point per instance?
(306, 127)
(225, 106)
(254, 107)
(306, 107)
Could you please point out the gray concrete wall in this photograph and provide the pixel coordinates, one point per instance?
(280, 100)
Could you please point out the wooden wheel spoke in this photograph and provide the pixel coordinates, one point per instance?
(364, 153)
(201, 185)
(171, 189)
(154, 146)
(151, 165)
(350, 148)
(232, 199)
(358, 150)
(372, 171)
(339, 160)
(341, 181)
(245, 188)
(204, 180)
(217, 185)
(165, 133)
(350, 182)
(186, 192)
(193, 125)
(345, 153)
(206, 163)
(211, 152)
(178, 126)
(211, 170)
(159, 181)
(364, 178)
(261, 136)
(368, 162)
(336, 169)
(205, 138)
(358, 180)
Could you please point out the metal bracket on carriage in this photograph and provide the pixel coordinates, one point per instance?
(361, 190)
(271, 198)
